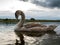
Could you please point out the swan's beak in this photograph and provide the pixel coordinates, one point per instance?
(16, 16)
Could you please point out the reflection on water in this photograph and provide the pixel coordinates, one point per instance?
(7, 36)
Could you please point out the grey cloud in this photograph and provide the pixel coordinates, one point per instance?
(24, 0)
(46, 3)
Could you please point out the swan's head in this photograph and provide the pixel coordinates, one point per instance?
(17, 13)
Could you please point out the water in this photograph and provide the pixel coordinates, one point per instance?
(7, 36)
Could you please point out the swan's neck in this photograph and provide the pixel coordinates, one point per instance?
(20, 23)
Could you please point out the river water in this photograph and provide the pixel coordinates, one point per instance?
(8, 37)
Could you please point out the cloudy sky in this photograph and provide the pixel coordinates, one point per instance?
(38, 9)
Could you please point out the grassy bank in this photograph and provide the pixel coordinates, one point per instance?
(27, 20)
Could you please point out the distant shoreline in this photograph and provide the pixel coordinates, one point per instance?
(27, 20)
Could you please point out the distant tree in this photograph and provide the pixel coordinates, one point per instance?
(6, 19)
(32, 19)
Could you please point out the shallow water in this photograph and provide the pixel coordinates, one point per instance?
(7, 36)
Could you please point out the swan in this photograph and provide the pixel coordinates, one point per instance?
(30, 29)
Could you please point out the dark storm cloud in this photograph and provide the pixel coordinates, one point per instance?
(46, 3)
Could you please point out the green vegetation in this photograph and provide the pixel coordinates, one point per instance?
(32, 19)
(27, 20)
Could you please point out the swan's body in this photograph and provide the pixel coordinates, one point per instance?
(30, 28)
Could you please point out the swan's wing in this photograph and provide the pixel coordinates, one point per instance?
(38, 29)
(30, 25)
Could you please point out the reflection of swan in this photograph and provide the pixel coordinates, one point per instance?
(30, 28)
